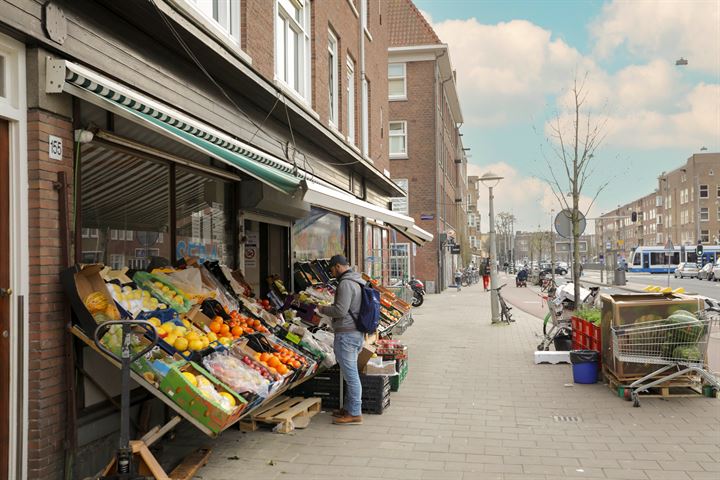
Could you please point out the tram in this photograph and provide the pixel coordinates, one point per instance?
(655, 259)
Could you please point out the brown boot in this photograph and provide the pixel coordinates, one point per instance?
(340, 413)
(348, 420)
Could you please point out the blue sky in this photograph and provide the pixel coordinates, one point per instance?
(515, 60)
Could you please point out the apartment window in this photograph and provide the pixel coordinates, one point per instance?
(333, 77)
(397, 81)
(669, 201)
(704, 214)
(113, 234)
(398, 139)
(718, 191)
(365, 119)
(705, 236)
(704, 191)
(683, 178)
(350, 100)
(659, 219)
(292, 45)
(128, 235)
(718, 213)
(225, 13)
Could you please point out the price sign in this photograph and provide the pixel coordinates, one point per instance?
(292, 338)
(55, 147)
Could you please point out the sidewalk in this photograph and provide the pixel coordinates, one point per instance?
(475, 406)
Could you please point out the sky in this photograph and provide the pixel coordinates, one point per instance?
(516, 61)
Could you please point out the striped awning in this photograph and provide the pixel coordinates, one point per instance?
(167, 121)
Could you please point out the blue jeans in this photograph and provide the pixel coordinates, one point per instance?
(347, 348)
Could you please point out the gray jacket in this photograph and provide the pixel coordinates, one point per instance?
(347, 301)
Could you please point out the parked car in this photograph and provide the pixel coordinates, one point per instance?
(686, 270)
(706, 272)
(715, 271)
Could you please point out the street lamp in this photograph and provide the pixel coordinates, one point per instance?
(490, 180)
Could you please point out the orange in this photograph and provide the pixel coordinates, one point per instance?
(264, 356)
(272, 371)
(248, 330)
(273, 362)
(295, 364)
(215, 326)
(224, 328)
(218, 319)
(236, 331)
(282, 369)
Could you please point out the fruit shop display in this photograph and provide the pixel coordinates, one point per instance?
(101, 309)
(183, 336)
(240, 374)
(135, 300)
(163, 290)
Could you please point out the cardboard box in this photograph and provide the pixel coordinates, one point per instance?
(80, 281)
(628, 309)
(188, 397)
(365, 355)
(380, 367)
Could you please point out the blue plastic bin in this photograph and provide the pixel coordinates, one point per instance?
(584, 366)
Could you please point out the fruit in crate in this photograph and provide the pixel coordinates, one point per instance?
(184, 340)
(96, 302)
(238, 374)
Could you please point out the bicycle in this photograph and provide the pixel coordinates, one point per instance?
(505, 315)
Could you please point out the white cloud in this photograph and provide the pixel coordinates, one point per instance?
(667, 30)
(505, 71)
(529, 198)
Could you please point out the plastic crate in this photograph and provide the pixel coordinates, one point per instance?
(397, 380)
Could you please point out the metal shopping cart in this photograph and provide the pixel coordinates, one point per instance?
(679, 346)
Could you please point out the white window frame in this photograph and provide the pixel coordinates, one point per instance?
(350, 89)
(705, 236)
(228, 13)
(284, 22)
(365, 117)
(333, 81)
(402, 77)
(404, 135)
(704, 214)
(129, 235)
(706, 189)
(113, 234)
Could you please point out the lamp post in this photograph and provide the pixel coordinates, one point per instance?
(490, 180)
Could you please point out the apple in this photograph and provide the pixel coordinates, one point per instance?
(161, 332)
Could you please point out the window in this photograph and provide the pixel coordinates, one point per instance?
(718, 191)
(659, 219)
(333, 77)
(292, 45)
(704, 236)
(225, 13)
(117, 261)
(704, 214)
(718, 213)
(350, 100)
(669, 201)
(400, 204)
(128, 235)
(704, 191)
(365, 119)
(397, 86)
(398, 139)
(399, 262)
(683, 178)
(113, 235)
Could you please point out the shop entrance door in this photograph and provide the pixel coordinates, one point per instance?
(4, 295)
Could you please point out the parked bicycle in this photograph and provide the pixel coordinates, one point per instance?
(505, 315)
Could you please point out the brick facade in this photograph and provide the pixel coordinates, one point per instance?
(46, 386)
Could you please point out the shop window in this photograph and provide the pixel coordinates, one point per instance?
(203, 217)
(397, 81)
(398, 139)
(377, 252)
(333, 77)
(126, 194)
(321, 234)
(292, 45)
(704, 191)
(224, 13)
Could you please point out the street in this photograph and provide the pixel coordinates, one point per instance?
(641, 280)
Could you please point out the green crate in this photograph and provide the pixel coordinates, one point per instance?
(396, 380)
(190, 399)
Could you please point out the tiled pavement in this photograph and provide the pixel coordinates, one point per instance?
(475, 406)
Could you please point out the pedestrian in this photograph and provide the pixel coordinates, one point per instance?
(458, 279)
(486, 274)
(348, 339)
(581, 270)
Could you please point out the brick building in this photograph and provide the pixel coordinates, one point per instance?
(684, 207)
(132, 130)
(426, 148)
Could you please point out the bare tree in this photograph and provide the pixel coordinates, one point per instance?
(573, 138)
(504, 222)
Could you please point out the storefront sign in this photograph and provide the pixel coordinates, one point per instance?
(455, 249)
(55, 147)
(251, 250)
(427, 216)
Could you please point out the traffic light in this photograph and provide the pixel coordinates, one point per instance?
(699, 249)
(633, 217)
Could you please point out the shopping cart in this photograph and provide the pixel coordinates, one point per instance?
(680, 347)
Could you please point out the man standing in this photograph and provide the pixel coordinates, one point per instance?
(458, 279)
(486, 273)
(348, 339)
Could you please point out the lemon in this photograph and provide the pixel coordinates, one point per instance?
(205, 341)
(179, 299)
(158, 284)
(212, 337)
(229, 397)
(195, 345)
(203, 382)
(192, 336)
(168, 326)
(181, 331)
(155, 321)
(186, 322)
(165, 288)
(170, 339)
(181, 344)
(192, 380)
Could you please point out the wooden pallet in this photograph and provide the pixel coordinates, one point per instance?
(679, 387)
(288, 413)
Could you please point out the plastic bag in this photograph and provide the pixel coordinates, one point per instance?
(190, 282)
(236, 374)
(324, 341)
(208, 390)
